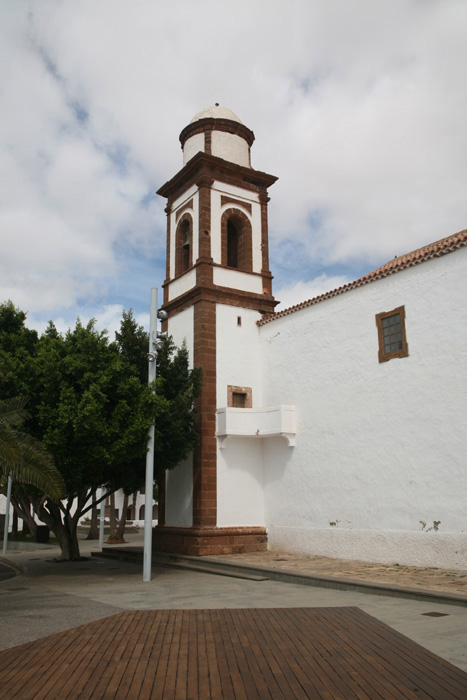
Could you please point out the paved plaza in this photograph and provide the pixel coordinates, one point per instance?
(50, 597)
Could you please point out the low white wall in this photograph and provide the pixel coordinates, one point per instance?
(378, 471)
(442, 550)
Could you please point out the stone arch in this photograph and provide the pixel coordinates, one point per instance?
(236, 240)
(184, 244)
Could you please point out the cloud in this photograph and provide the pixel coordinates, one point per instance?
(359, 108)
(302, 291)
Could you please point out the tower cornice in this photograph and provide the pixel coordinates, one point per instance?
(200, 126)
(203, 164)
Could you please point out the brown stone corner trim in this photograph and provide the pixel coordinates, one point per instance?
(203, 541)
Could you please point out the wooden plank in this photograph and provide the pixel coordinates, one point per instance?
(151, 685)
(213, 682)
(286, 677)
(416, 663)
(312, 654)
(346, 655)
(253, 654)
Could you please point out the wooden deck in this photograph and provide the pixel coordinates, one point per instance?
(292, 653)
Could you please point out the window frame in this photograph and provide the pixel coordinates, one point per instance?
(245, 391)
(384, 356)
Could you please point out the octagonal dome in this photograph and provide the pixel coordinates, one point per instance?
(216, 112)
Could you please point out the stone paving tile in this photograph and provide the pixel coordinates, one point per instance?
(428, 578)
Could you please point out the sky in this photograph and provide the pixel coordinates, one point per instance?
(359, 107)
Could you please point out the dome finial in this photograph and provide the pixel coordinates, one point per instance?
(216, 112)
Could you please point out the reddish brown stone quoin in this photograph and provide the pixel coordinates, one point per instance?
(199, 541)
(229, 236)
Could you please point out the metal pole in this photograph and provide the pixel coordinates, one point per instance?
(7, 515)
(102, 520)
(148, 497)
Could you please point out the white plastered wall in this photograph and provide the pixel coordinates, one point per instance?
(230, 147)
(240, 500)
(192, 146)
(378, 472)
(179, 481)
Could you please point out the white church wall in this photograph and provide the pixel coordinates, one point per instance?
(238, 280)
(238, 352)
(182, 284)
(240, 499)
(181, 328)
(379, 459)
(179, 495)
(239, 464)
(179, 481)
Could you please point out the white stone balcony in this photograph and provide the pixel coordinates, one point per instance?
(271, 421)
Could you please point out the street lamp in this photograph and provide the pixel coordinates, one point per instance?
(156, 343)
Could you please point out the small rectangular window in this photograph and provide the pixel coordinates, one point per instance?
(238, 400)
(391, 334)
(239, 397)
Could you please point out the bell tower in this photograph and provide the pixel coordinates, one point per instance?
(218, 285)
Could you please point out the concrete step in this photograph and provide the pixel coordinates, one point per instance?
(252, 573)
(135, 555)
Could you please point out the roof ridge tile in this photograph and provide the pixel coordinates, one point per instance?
(402, 262)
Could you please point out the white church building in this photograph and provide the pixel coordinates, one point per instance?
(336, 427)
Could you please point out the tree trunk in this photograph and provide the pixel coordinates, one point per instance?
(14, 524)
(120, 531)
(112, 519)
(64, 527)
(94, 529)
(22, 507)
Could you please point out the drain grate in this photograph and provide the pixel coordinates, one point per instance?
(435, 614)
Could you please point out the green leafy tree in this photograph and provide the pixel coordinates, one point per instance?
(21, 456)
(93, 410)
(175, 388)
(94, 415)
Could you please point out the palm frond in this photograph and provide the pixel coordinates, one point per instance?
(12, 411)
(22, 456)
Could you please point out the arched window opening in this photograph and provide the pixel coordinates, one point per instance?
(232, 245)
(236, 237)
(183, 247)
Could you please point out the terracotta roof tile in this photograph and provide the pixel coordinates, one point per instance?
(433, 250)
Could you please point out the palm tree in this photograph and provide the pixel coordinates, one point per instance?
(23, 457)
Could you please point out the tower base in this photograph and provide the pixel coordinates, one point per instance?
(200, 541)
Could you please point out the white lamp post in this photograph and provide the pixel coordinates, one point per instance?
(155, 344)
(7, 515)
